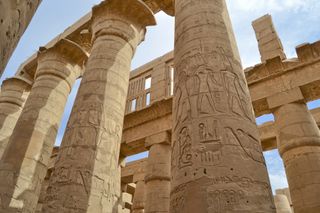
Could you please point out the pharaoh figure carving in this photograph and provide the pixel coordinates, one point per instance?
(214, 132)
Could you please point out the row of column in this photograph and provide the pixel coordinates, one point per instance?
(298, 138)
(87, 173)
(216, 164)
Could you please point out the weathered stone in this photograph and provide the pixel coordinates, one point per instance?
(285, 192)
(87, 173)
(14, 92)
(282, 204)
(217, 161)
(24, 163)
(158, 174)
(270, 45)
(139, 197)
(15, 17)
(299, 146)
(46, 181)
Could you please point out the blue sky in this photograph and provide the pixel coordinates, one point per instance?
(297, 21)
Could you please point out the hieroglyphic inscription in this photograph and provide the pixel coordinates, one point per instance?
(249, 144)
(207, 87)
(223, 200)
(212, 103)
(185, 146)
(209, 147)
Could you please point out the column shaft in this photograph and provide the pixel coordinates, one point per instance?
(299, 146)
(12, 98)
(139, 198)
(87, 172)
(24, 163)
(158, 178)
(217, 160)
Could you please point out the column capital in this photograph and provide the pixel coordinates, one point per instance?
(133, 18)
(69, 51)
(285, 97)
(16, 83)
(166, 6)
(12, 90)
(159, 138)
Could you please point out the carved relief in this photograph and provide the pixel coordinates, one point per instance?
(249, 144)
(209, 149)
(177, 199)
(223, 200)
(185, 146)
(208, 87)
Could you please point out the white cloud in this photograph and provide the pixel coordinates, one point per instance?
(278, 181)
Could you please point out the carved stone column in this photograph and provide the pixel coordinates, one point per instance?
(87, 171)
(139, 197)
(15, 17)
(217, 160)
(298, 140)
(24, 163)
(12, 98)
(158, 170)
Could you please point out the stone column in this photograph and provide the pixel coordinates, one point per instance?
(158, 170)
(282, 204)
(15, 17)
(24, 163)
(298, 140)
(12, 98)
(87, 174)
(139, 197)
(217, 161)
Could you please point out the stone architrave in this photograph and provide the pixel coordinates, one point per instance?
(298, 140)
(24, 163)
(12, 98)
(15, 17)
(217, 161)
(87, 172)
(158, 173)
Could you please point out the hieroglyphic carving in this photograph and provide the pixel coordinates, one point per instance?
(185, 148)
(223, 200)
(211, 100)
(209, 149)
(210, 89)
(248, 143)
(177, 200)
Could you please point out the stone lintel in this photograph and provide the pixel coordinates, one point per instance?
(307, 52)
(275, 64)
(159, 138)
(132, 169)
(286, 97)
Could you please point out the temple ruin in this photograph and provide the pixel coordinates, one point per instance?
(193, 110)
